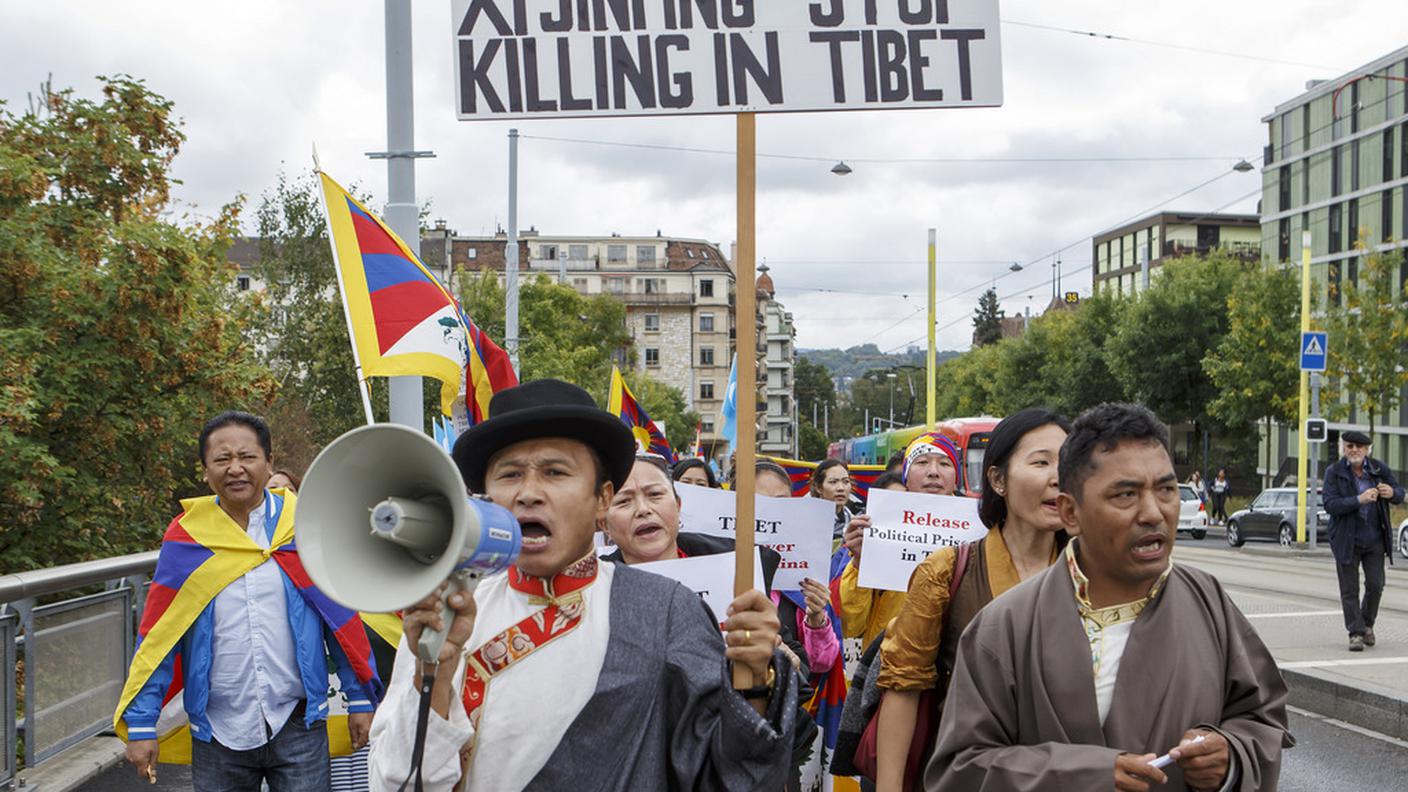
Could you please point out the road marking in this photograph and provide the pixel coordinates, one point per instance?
(1315, 716)
(1355, 662)
(1292, 613)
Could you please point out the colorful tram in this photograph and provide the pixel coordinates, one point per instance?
(971, 435)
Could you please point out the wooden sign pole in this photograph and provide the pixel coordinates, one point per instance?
(746, 346)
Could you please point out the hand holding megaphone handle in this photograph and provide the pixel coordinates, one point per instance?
(432, 641)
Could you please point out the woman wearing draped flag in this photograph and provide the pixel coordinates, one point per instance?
(233, 623)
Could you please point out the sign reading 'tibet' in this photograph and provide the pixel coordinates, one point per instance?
(577, 58)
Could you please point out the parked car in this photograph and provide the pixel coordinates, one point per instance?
(1192, 513)
(1272, 516)
(1403, 538)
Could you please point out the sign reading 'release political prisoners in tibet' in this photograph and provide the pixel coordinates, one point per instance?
(572, 58)
(905, 527)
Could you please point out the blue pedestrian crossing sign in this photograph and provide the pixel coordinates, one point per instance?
(1312, 351)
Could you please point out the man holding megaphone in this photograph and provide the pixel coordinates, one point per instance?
(566, 673)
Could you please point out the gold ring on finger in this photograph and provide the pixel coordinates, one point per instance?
(747, 636)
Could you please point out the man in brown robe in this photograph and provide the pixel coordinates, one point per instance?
(1081, 676)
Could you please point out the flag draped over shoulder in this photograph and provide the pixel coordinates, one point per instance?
(202, 552)
(622, 404)
(403, 321)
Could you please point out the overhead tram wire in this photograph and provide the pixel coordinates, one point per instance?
(876, 160)
(1169, 45)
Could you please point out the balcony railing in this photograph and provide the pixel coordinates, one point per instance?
(662, 298)
(553, 265)
(1175, 247)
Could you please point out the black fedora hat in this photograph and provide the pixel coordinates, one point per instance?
(545, 408)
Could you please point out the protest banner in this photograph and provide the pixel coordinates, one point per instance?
(710, 576)
(905, 527)
(799, 529)
(580, 58)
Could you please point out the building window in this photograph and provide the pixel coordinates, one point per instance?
(1305, 181)
(580, 284)
(547, 252)
(616, 254)
(1403, 146)
(652, 357)
(1354, 165)
(1305, 129)
(651, 285)
(242, 282)
(706, 287)
(689, 252)
(706, 323)
(1283, 250)
(1286, 135)
(1335, 170)
(614, 285)
(1386, 216)
(1353, 107)
(1387, 173)
(1336, 241)
(1284, 191)
(577, 252)
(652, 323)
(706, 390)
(645, 256)
(706, 356)
(1352, 225)
(472, 253)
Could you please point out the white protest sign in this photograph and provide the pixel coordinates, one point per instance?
(905, 527)
(799, 529)
(579, 58)
(710, 576)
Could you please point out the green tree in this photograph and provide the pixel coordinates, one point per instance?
(967, 385)
(1255, 369)
(987, 320)
(1369, 337)
(120, 328)
(1163, 334)
(303, 333)
(814, 389)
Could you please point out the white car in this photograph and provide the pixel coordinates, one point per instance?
(1403, 538)
(1192, 512)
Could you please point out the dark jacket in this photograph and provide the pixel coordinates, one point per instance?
(1342, 502)
(697, 544)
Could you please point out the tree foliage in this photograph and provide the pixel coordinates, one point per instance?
(1369, 338)
(120, 329)
(1255, 369)
(1164, 333)
(987, 320)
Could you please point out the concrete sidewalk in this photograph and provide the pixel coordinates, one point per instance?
(1292, 598)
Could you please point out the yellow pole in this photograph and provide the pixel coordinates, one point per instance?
(931, 364)
(1302, 464)
(745, 324)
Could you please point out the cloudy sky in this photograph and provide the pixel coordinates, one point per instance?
(258, 82)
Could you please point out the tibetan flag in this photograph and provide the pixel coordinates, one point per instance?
(862, 476)
(404, 322)
(621, 403)
(487, 371)
(202, 552)
(800, 473)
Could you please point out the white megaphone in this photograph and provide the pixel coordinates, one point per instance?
(383, 518)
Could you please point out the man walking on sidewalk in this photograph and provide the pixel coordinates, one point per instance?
(1357, 491)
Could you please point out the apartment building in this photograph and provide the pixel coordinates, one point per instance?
(1119, 254)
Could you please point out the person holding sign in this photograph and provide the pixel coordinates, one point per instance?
(931, 465)
(567, 673)
(1080, 677)
(832, 481)
(1025, 535)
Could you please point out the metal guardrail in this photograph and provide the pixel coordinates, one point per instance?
(88, 639)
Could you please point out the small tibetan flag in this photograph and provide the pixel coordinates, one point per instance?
(621, 403)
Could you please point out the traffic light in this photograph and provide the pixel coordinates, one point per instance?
(1316, 430)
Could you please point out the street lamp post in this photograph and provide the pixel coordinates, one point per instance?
(892, 376)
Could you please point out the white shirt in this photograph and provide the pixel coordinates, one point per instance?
(527, 708)
(254, 679)
(1113, 639)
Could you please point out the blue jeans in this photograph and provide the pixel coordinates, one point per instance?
(294, 760)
